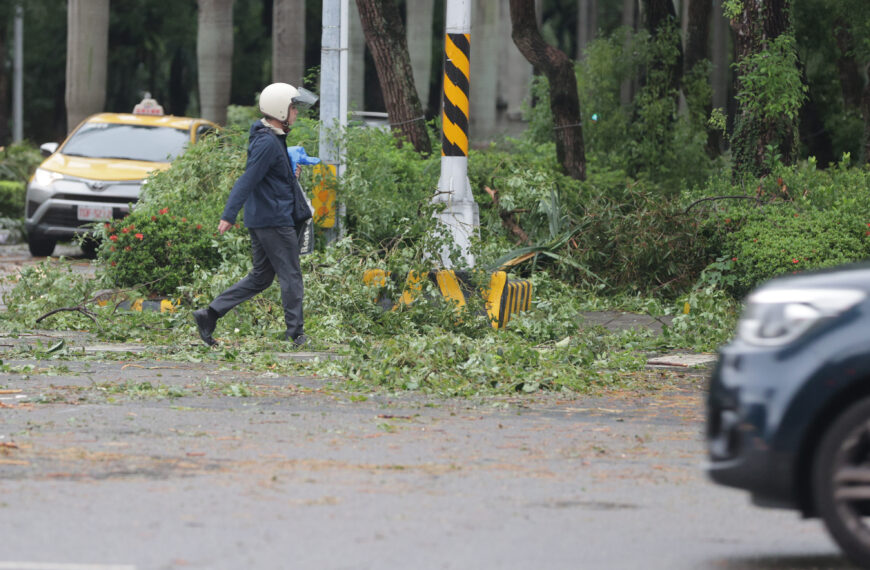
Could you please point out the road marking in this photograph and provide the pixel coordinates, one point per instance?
(62, 566)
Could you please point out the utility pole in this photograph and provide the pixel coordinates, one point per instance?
(460, 214)
(333, 92)
(18, 77)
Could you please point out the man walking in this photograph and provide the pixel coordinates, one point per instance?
(266, 190)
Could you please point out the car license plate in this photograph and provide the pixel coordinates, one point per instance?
(95, 213)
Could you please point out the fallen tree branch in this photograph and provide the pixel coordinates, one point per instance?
(507, 218)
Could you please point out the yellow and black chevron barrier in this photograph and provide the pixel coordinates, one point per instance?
(457, 50)
(503, 297)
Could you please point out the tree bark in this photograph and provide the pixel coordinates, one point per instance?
(587, 24)
(87, 59)
(760, 22)
(288, 41)
(484, 58)
(4, 87)
(850, 78)
(697, 32)
(697, 52)
(385, 37)
(514, 73)
(419, 15)
(214, 55)
(659, 15)
(865, 111)
(559, 69)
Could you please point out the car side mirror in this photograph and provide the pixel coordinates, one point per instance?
(48, 149)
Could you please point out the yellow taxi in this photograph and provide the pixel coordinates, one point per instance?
(96, 174)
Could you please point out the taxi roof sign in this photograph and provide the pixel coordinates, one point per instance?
(148, 106)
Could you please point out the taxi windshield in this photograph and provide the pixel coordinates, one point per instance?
(127, 142)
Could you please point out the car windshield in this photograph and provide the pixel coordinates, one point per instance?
(129, 142)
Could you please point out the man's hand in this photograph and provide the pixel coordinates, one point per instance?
(298, 170)
(223, 226)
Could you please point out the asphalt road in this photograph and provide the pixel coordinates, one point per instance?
(132, 464)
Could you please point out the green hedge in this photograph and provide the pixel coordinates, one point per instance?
(11, 199)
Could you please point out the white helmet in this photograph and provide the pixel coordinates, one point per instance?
(275, 100)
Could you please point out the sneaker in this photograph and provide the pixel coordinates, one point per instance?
(205, 324)
(300, 340)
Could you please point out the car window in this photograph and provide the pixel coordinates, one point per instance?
(130, 142)
(203, 130)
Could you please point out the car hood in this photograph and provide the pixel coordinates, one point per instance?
(101, 168)
(853, 276)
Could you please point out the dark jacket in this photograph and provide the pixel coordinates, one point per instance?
(266, 187)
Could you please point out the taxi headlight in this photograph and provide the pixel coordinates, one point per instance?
(46, 177)
(778, 316)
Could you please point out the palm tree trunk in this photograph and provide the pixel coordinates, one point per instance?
(288, 41)
(87, 59)
(214, 55)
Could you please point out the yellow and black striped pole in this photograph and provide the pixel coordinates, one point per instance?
(460, 214)
(457, 56)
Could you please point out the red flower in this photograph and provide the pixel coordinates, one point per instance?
(113, 238)
(733, 259)
(796, 215)
(164, 211)
(114, 264)
(132, 227)
(127, 248)
(183, 219)
(125, 230)
(109, 226)
(199, 226)
(794, 260)
(112, 248)
(140, 236)
(153, 218)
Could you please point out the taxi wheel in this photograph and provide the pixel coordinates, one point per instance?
(841, 481)
(40, 246)
(89, 247)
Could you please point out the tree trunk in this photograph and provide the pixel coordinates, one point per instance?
(697, 52)
(4, 88)
(697, 32)
(559, 69)
(385, 37)
(850, 77)
(515, 72)
(214, 55)
(629, 20)
(720, 57)
(865, 110)
(288, 41)
(484, 58)
(419, 15)
(659, 15)
(356, 62)
(87, 59)
(759, 23)
(587, 24)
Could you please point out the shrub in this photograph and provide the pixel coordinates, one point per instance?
(160, 251)
(796, 219)
(11, 198)
(18, 161)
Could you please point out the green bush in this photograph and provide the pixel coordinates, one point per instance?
(12, 199)
(18, 161)
(157, 252)
(796, 219)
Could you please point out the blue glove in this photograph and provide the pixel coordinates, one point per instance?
(298, 156)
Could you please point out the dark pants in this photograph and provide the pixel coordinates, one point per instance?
(275, 251)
